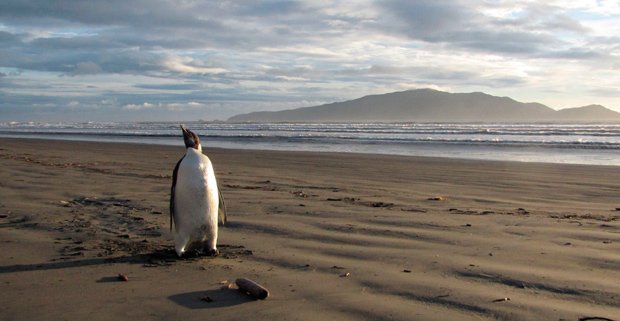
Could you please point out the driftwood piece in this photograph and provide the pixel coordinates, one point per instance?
(254, 289)
(122, 277)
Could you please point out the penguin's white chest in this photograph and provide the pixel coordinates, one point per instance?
(196, 203)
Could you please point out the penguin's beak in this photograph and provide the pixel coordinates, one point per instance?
(186, 134)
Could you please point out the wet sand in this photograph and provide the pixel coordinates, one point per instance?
(332, 236)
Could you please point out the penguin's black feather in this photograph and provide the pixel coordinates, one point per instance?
(172, 188)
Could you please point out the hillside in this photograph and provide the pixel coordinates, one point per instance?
(427, 105)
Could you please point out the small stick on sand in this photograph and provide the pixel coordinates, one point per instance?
(501, 300)
(254, 289)
(437, 198)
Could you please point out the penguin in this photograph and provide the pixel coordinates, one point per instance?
(195, 200)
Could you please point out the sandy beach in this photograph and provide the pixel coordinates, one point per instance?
(332, 236)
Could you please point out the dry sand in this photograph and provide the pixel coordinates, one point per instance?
(332, 236)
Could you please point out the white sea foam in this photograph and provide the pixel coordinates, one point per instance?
(556, 143)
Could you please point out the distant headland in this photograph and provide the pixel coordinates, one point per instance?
(429, 105)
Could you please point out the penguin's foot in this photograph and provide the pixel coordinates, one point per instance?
(213, 252)
(180, 251)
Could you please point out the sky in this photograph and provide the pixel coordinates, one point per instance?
(149, 60)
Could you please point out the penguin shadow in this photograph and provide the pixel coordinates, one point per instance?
(211, 299)
(108, 279)
(154, 258)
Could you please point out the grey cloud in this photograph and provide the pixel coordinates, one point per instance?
(167, 24)
(76, 43)
(76, 61)
(168, 86)
(453, 75)
(86, 68)
(390, 70)
(437, 75)
(270, 8)
(115, 29)
(575, 53)
(427, 20)
(419, 72)
(606, 92)
(457, 25)
(542, 17)
(200, 96)
(468, 78)
(427, 17)
(110, 12)
(121, 24)
(7, 38)
(564, 23)
(113, 105)
(17, 102)
(500, 41)
(305, 72)
(497, 82)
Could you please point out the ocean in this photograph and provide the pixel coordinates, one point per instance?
(597, 144)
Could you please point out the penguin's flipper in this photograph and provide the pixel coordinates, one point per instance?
(172, 189)
(222, 208)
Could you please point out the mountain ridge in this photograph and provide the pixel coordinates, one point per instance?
(429, 105)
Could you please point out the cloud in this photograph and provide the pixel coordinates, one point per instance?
(306, 50)
(189, 65)
(534, 29)
(144, 105)
(168, 86)
(430, 20)
(86, 68)
(231, 56)
(111, 12)
(8, 39)
(605, 92)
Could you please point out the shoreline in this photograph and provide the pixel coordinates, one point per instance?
(459, 159)
(331, 235)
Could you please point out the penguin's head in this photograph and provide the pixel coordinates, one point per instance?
(191, 139)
